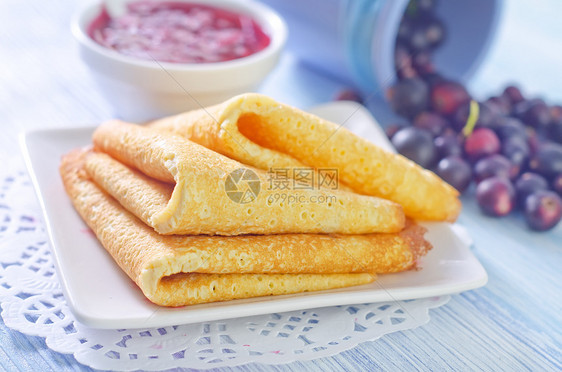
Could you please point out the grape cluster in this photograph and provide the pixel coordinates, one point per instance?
(508, 145)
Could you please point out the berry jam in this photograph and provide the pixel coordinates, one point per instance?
(179, 32)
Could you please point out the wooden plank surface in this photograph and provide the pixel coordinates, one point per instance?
(514, 323)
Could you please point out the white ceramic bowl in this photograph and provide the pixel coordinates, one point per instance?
(141, 90)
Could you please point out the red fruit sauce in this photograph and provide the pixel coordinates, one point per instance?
(179, 32)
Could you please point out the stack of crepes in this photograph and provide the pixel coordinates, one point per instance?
(162, 199)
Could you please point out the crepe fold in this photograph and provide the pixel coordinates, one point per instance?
(179, 187)
(174, 270)
(256, 130)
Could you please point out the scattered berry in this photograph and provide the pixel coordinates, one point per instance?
(517, 150)
(448, 96)
(417, 145)
(486, 116)
(554, 129)
(556, 113)
(432, 79)
(403, 61)
(482, 142)
(527, 184)
(543, 210)
(513, 94)
(433, 123)
(434, 31)
(409, 97)
(425, 6)
(547, 161)
(404, 32)
(534, 113)
(506, 127)
(349, 95)
(495, 196)
(392, 129)
(455, 171)
(447, 145)
(425, 33)
(557, 184)
(533, 140)
(501, 104)
(503, 139)
(494, 166)
(422, 62)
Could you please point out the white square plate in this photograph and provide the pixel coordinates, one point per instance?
(101, 295)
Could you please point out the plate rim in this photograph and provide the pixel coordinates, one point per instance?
(257, 305)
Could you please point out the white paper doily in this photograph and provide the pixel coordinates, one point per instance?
(33, 303)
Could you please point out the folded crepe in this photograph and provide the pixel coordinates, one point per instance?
(179, 187)
(183, 270)
(260, 132)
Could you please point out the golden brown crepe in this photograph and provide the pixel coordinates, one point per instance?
(260, 132)
(181, 188)
(182, 270)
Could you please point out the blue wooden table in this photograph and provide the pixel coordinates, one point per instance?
(514, 323)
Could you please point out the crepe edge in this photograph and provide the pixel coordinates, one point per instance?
(231, 138)
(194, 288)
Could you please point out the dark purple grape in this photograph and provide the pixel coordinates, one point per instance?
(451, 132)
(425, 33)
(435, 31)
(517, 150)
(495, 196)
(455, 171)
(481, 143)
(448, 145)
(533, 140)
(425, 6)
(392, 129)
(409, 97)
(495, 110)
(432, 79)
(502, 104)
(547, 161)
(402, 56)
(417, 145)
(423, 63)
(513, 94)
(534, 113)
(506, 127)
(527, 184)
(543, 210)
(494, 166)
(407, 72)
(404, 31)
(557, 184)
(422, 32)
(418, 38)
(486, 116)
(554, 129)
(348, 95)
(447, 97)
(433, 123)
(556, 113)
(403, 62)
